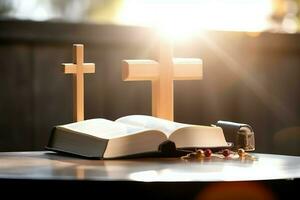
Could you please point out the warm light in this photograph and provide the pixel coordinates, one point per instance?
(212, 170)
(182, 18)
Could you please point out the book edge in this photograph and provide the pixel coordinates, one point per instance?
(51, 147)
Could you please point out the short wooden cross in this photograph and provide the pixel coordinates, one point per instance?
(162, 74)
(78, 68)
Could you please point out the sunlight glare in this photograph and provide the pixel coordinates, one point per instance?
(183, 18)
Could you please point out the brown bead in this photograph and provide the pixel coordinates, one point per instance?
(200, 153)
(241, 152)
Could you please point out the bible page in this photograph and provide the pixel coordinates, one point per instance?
(102, 128)
(152, 123)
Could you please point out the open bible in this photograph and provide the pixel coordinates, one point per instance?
(132, 135)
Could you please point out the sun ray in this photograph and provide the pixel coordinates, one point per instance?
(267, 98)
(181, 19)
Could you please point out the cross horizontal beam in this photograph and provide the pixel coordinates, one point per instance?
(183, 69)
(70, 68)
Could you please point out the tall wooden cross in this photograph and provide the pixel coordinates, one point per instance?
(78, 68)
(162, 74)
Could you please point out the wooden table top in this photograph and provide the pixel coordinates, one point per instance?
(46, 165)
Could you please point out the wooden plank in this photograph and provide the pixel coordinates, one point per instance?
(17, 104)
(15, 30)
(44, 32)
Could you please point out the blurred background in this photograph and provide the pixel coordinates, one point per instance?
(250, 50)
(231, 15)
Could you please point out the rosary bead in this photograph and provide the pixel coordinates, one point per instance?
(200, 153)
(207, 152)
(241, 152)
(226, 152)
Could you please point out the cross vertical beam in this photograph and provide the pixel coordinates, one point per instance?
(78, 84)
(162, 87)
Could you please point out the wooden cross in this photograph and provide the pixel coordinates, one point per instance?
(162, 74)
(78, 68)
